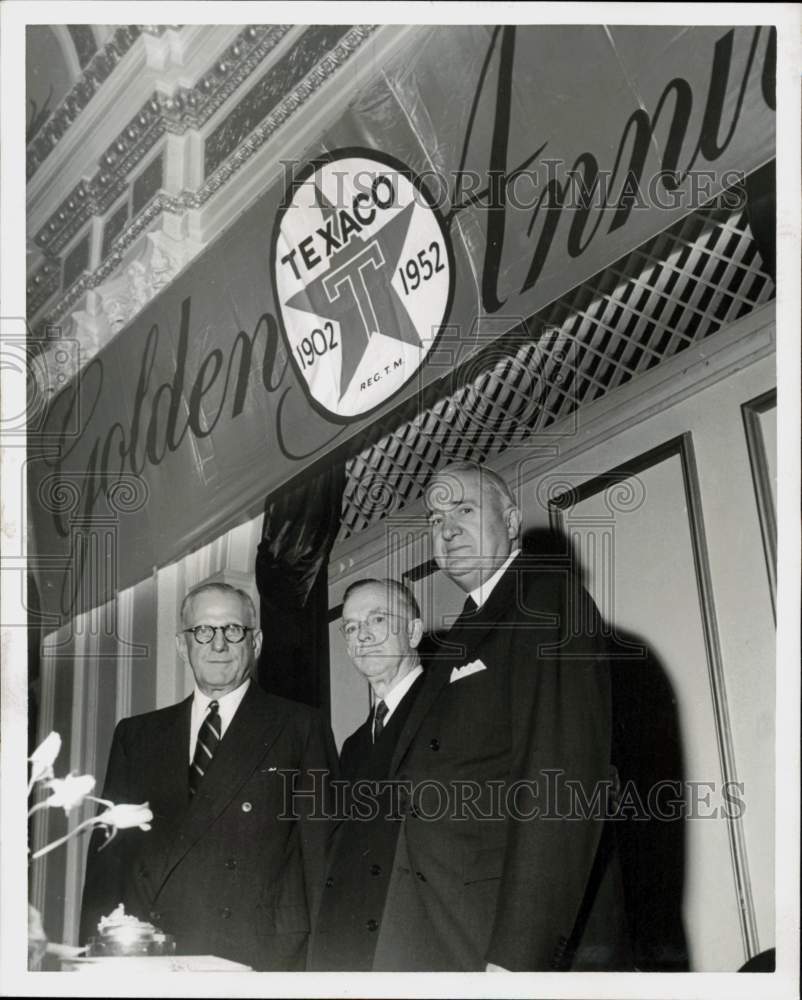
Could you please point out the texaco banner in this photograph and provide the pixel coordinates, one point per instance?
(482, 174)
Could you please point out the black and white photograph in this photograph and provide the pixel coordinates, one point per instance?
(400, 499)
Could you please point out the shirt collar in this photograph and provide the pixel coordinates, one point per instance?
(229, 703)
(484, 590)
(393, 697)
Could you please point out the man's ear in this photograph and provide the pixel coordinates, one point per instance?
(415, 632)
(513, 520)
(181, 646)
(257, 643)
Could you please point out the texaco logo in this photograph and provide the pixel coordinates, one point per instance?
(363, 279)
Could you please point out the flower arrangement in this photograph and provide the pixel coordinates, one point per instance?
(67, 793)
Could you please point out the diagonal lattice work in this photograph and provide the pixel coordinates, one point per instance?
(673, 291)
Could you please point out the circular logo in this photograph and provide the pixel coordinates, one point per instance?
(363, 278)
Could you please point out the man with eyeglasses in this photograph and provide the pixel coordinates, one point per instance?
(382, 628)
(233, 867)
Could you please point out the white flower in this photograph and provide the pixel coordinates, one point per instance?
(42, 759)
(68, 792)
(124, 817)
(114, 818)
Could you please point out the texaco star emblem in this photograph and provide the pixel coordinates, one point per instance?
(363, 279)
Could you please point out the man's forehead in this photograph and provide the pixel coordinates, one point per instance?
(451, 488)
(212, 602)
(370, 598)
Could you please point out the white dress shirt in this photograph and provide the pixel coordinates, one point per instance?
(393, 697)
(484, 590)
(228, 705)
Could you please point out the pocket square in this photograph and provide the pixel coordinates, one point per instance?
(470, 668)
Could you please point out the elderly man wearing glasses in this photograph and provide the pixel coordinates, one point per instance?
(227, 868)
(382, 628)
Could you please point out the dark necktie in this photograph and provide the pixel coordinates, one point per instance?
(379, 715)
(469, 608)
(209, 736)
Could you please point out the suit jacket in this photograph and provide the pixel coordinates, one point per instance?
(480, 874)
(361, 860)
(236, 871)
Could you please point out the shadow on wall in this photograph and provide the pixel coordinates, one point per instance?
(647, 751)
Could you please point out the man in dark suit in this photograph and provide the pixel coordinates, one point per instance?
(382, 628)
(504, 859)
(227, 868)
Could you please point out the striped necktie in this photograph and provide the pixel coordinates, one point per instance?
(209, 736)
(379, 714)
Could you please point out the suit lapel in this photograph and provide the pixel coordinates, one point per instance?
(434, 680)
(356, 750)
(168, 757)
(253, 730)
(173, 750)
(463, 637)
(468, 630)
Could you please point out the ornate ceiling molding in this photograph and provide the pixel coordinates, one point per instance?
(107, 308)
(187, 109)
(43, 283)
(93, 77)
(156, 207)
(328, 64)
(314, 45)
(83, 39)
(154, 64)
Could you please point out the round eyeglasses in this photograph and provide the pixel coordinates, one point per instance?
(376, 622)
(231, 633)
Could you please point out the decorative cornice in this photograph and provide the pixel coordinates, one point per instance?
(180, 203)
(84, 42)
(95, 74)
(283, 76)
(68, 218)
(159, 204)
(43, 283)
(189, 107)
(110, 306)
(330, 62)
(128, 292)
(245, 54)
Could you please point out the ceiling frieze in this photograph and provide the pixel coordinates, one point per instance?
(68, 218)
(293, 100)
(151, 266)
(84, 41)
(94, 76)
(186, 109)
(189, 107)
(43, 283)
(246, 53)
(160, 204)
(311, 48)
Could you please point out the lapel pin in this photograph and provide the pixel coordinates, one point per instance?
(246, 807)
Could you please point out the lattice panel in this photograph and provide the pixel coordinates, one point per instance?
(675, 290)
